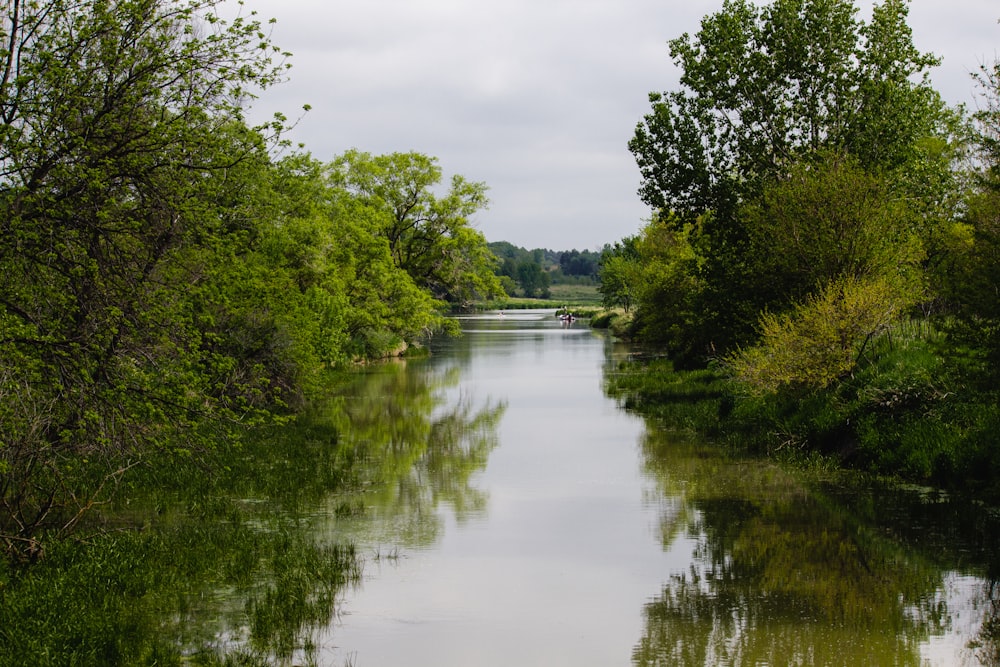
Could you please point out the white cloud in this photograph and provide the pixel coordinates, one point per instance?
(538, 98)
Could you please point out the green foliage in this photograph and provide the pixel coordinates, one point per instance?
(576, 263)
(168, 282)
(546, 274)
(663, 271)
(908, 408)
(204, 564)
(919, 412)
(821, 340)
(785, 114)
(825, 220)
(620, 273)
(224, 559)
(108, 604)
(429, 237)
(971, 274)
(533, 280)
(679, 399)
(123, 154)
(530, 273)
(807, 195)
(765, 86)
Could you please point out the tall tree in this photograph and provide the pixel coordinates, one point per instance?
(764, 89)
(330, 243)
(971, 271)
(533, 280)
(620, 269)
(430, 237)
(122, 145)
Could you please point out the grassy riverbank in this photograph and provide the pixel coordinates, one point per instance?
(168, 595)
(908, 411)
(560, 296)
(201, 563)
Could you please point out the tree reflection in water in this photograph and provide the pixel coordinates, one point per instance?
(410, 445)
(370, 464)
(782, 573)
(243, 556)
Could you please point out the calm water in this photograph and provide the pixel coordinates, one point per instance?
(513, 514)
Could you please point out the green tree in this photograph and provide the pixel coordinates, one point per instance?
(838, 254)
(974, 273)
(764, 89)
(429, 236)
(533, 280)
(122, 151)
(576, 263)
(971, 270)
(330, 243)
(825, 220)
(620, 270)
(669, 292)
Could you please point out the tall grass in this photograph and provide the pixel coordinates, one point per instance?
(920, 410)
(165, 597)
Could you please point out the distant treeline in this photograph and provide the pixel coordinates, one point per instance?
(530, 273)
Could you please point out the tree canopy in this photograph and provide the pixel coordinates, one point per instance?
(763, 87)
(429, 236)
(785, 114)
(169, 279)
(120, 126)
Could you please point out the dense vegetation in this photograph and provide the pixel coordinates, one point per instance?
(168, 278)
(824, 238)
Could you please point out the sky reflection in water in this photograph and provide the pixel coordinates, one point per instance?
(562, 531)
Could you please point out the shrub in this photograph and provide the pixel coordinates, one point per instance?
(821, 339)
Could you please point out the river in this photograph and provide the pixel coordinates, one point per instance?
(518, 516)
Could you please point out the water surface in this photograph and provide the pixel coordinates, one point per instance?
(524, 518)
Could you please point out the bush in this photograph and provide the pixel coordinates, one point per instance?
(820, 340)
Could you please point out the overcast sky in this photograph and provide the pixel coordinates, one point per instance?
(537, 98)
